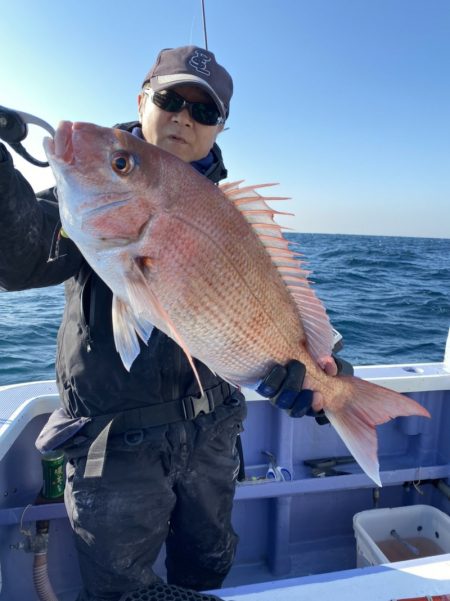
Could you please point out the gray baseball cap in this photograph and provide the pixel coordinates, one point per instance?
(195, 66)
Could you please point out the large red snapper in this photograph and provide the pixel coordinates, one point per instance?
(209, 267)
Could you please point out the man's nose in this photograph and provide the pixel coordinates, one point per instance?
(183, 117)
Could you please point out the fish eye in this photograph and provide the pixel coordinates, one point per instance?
(122, 162)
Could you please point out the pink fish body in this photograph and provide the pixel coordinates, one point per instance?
(209, 267)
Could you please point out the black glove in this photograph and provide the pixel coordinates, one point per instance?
(283, 386)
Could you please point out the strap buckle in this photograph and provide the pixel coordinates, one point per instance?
(193, 406)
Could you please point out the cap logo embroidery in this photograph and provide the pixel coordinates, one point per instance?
(199, 61)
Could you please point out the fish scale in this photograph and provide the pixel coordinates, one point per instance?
(221, 279)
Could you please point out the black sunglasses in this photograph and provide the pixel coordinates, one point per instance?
(170, 101)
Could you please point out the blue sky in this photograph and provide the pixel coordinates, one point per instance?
(345, 103)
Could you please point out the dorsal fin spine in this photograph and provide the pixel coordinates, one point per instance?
(260, 216)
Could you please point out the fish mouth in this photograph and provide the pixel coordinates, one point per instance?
(69, 141)
(60, 148)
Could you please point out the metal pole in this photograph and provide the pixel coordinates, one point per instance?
(204, 25)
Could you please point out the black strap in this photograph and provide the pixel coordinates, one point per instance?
(240, 450)
(184, 409)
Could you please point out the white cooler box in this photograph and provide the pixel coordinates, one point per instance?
(400, 533)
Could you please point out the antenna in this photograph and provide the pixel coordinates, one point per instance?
(204, 24)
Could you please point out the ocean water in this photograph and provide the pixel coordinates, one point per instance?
(388, 296)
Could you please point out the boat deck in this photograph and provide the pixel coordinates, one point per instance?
(296, 536)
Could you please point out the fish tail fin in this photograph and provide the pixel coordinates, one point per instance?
(366, 406)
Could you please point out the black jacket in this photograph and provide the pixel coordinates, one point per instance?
(89, 372)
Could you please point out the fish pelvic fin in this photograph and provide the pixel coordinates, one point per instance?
(126, 326)
(144, 308)
(368, 405)
(254, 207)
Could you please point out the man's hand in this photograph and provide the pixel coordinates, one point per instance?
(288, 387)
(283, 386)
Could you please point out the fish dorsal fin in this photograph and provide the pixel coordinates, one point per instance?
(142, 309)
(260, 215)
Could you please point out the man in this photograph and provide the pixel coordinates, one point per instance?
(167, 470)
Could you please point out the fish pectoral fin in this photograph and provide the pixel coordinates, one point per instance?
(368, 405)
(146, 309)
(125, 327)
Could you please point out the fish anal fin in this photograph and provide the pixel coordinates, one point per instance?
(368, 405)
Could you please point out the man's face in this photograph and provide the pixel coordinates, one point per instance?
(178, 133)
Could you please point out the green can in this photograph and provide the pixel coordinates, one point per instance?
(53, 474)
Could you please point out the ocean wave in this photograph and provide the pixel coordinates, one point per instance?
(388, 296)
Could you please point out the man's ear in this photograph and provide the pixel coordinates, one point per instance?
(140, 102)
